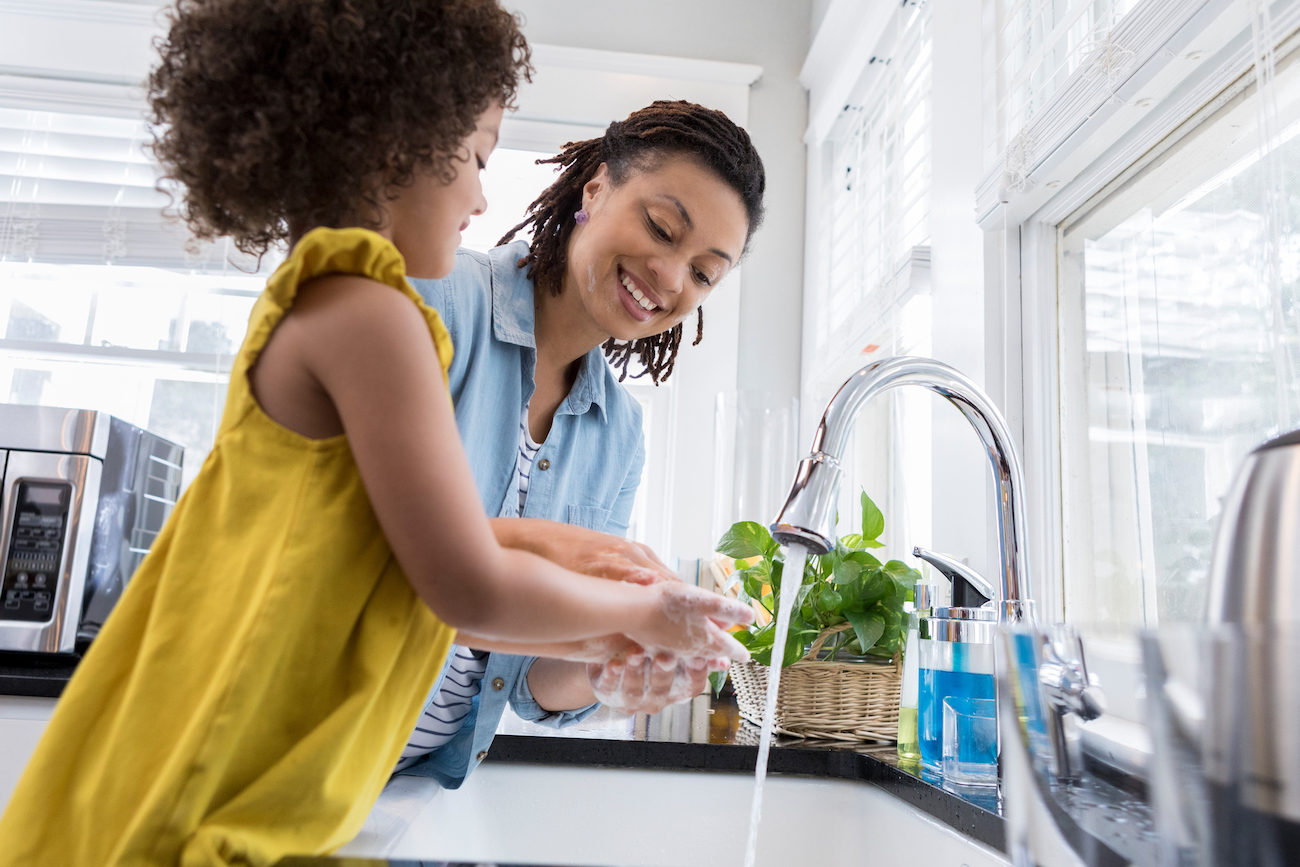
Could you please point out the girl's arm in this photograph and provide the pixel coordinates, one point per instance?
(365, 350)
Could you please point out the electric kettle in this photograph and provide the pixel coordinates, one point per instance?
(1251, 733)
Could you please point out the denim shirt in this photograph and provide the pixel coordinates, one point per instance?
(594, 453)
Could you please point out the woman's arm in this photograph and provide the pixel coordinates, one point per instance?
(368, 349)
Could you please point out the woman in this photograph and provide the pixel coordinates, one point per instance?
(639, 228)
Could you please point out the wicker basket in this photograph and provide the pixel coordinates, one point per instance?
(843, 701)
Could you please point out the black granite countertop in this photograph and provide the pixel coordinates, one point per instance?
(35, 674)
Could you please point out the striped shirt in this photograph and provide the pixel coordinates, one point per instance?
(446, 712)
(528, 450)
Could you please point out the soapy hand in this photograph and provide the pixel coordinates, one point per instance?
(687, 621)
(581, 550)
(647, 683)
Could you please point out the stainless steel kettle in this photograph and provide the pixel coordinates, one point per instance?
(1252, 737)
(1255, 571)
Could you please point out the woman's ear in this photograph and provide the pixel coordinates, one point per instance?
(596, 188)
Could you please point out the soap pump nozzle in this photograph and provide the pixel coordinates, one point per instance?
(969, 588)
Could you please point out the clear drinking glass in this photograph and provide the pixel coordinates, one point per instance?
(970, 741)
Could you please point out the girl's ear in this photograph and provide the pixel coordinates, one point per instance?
(596, 188)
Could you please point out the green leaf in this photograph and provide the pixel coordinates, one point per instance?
(864, 558)
(853, 541)
(866, 627)
(847, 572)
(753, 586)
(874, 587)
(747, 539)
(716, 680)
(744, 637)
(873, 522)
(762, 637)
(831, 601)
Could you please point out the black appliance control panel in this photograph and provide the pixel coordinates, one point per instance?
(36, 540)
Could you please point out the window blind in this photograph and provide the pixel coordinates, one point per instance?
(1041, 43)
(81, 189)
(1058, 62)
(877, 204)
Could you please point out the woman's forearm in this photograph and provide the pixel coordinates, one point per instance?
(558, 685)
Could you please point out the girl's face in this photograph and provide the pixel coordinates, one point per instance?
(653, 247)
(428, 216)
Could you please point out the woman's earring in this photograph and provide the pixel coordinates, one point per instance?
(580, 216)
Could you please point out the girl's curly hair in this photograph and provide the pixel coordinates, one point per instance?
(276, 116)
(649, 136)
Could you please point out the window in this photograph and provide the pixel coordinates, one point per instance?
(867, 293)
(1178, 320)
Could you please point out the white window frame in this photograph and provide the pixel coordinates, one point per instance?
(1197, 53)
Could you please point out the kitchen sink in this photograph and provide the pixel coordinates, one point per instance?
(586, 816)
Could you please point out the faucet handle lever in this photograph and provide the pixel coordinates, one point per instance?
(970, 589)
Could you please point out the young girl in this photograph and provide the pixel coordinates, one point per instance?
(255, 686)
(532, 330)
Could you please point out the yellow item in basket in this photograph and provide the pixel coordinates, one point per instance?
(256, 684)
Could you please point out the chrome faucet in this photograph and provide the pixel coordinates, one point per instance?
(808, 517)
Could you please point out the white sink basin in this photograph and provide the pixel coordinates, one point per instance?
(641, 818)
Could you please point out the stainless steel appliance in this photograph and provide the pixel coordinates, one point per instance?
(1250, 738)
(82, 496)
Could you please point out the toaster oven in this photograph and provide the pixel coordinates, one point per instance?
(83, 495)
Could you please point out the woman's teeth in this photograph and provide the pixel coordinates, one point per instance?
(646, 303)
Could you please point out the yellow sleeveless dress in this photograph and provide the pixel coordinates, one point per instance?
(259, 678)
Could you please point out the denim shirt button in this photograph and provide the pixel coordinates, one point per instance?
(498, 683)
(482, 754)
(543, 464)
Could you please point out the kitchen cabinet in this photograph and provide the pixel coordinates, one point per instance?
(22, 722)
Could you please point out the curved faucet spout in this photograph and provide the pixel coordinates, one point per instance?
(808, 517)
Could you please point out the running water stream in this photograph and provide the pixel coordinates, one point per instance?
(791, 580)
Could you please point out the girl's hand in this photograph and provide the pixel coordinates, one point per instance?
(686, 621)
(581, 550)
(643, 683)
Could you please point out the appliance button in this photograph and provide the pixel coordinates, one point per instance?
(11, 602)
(38, 580)
(51, 534)
(26, 595)
(42, 606)
(47, 546)
(51, 520)
(27, 519)
(42, 597)
(21, 579)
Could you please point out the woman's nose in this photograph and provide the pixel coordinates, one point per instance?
(668, 274)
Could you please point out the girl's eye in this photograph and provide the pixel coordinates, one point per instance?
(702, 278)
(482, 164)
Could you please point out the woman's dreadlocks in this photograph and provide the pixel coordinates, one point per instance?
(659, 131)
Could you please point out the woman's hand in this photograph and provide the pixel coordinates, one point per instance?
(647, 683)
(581, 550)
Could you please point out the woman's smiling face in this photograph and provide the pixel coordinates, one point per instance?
(654, 246)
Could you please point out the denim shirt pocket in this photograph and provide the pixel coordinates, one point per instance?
(591, 517)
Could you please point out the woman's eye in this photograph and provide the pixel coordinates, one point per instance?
(702, 278)
(658, 231)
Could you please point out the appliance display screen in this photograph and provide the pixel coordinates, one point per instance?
(40, 495)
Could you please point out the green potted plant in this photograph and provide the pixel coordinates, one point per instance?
(848, 624)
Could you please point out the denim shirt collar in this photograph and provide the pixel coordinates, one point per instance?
(514, 319)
